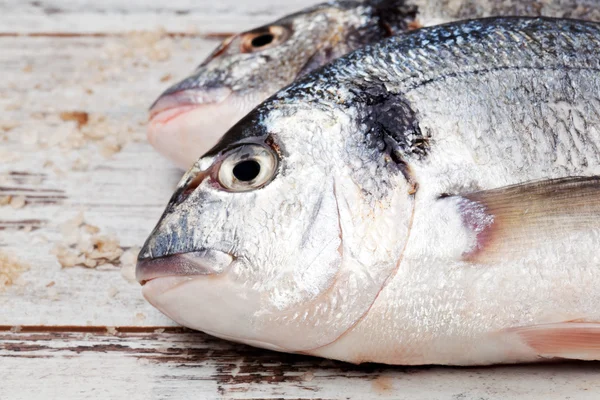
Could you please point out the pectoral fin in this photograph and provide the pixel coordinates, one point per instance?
(570, 340)
(510, 222)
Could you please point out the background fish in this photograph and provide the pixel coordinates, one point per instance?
(191, 116)
(432, 199)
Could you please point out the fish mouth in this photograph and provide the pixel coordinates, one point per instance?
(197, 263)
(184, 125)
(171, 105)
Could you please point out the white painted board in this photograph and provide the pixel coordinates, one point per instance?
(67, 348)
(189, 365)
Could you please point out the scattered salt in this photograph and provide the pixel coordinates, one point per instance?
(83, 245)
(10, 269)
(128, 262)
(140, 317)
(308, 376)
(17, 202)
(111, 330)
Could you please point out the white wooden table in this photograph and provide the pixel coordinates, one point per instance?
(79, 332)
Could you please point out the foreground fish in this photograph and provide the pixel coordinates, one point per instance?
(432, 199)
(191, 116)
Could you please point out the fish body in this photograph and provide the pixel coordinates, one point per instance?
(192, 115)
(430, 199)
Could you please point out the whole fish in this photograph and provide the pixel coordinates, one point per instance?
(431, 199)
(191, 116)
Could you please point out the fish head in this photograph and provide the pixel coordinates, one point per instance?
(282, 235)
(191, 116)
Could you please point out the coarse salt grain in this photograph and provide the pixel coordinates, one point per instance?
(18, 202)
(10, 269)
(84, 246)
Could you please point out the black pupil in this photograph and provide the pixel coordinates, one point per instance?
(262, 40)
(246, 171)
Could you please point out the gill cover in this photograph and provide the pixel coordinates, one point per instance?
(313, 240)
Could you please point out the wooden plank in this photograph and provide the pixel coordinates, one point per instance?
(55, 170)
(58, 171)
(112, 16)
(209, 17)
(148, 365)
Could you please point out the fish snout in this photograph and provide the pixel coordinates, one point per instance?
(194, 263)
(179, 99)
(187, 122)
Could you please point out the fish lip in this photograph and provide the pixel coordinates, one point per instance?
(202, 262)
(173, 104)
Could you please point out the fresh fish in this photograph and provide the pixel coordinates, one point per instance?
(431, 199)
(191, 116)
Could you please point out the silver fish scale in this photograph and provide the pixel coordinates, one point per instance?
(338, 256)
(413, 59)
(455, 75)
(318, 35)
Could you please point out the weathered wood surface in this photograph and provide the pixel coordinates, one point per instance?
(61, 173)
(110, 16)
(180, 365)
(203, 17)
(51, 170)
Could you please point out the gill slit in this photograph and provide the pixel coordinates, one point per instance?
(340, 251)
(387, 281)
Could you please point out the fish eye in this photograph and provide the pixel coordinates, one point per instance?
(247, 167)
(264, 38)
(246, 171)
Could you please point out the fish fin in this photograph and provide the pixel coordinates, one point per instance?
(569, 340)
(513, 221)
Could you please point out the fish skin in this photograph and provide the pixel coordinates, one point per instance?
(242, 81)
(442, 11)
(311, 38)
(357, 249)
(317, 35)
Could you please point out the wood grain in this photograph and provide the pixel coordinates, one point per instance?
(57, 335)
(151, 365)
(123, 195)
(89, 16)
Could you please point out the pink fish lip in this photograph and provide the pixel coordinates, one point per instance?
(203, 262)
(171, 105)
